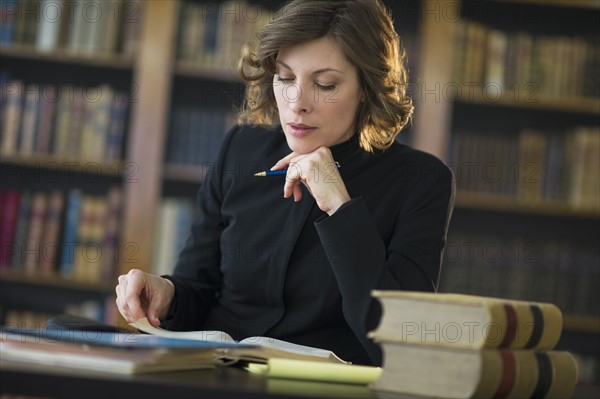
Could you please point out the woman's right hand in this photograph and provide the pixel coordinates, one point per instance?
(141, 294)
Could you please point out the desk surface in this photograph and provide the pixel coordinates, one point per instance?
(224, 382)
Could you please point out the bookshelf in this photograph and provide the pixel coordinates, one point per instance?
(61, 56)
(109, 66)
(470, 200)
(471, 112)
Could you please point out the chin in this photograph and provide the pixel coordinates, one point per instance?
(300, 146)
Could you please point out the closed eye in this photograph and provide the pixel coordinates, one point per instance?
(326, 87)
(284, 80)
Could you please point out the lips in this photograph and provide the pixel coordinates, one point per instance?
(300, 129)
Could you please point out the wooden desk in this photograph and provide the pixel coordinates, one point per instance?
(226, 382)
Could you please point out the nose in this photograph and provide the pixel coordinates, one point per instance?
(300, 98)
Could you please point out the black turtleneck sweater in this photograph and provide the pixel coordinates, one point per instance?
(258, 264)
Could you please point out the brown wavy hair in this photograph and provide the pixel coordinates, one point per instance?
(364, 29)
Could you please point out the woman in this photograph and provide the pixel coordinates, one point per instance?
(367, 212)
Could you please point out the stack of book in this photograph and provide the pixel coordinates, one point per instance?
(72, 342)
(465, 346)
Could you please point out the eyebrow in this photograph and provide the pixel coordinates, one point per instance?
(314, 73)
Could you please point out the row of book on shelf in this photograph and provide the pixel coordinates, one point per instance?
(102, 310)
(63, 121)
(87, 27)
(434, 345)
(549, 66)
(195, 134)
(212, 34)
(52, 234)
(554, 271)
(532, 166)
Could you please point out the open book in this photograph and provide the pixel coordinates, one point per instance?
(254, 349)
(110, 352)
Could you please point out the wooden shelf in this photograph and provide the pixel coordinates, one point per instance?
(592, 4)
(580, 323)
(472, 200)
(115, 168)
(184, 173)
(193, 70)
(114, 61)
(55, 281)
(528, 100)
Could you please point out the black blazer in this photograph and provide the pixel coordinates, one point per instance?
(258, 264)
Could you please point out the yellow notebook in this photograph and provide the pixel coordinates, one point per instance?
(316, 371)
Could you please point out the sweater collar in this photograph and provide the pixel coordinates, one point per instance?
(345, 150)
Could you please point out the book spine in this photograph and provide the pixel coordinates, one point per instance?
(11, 117)
(131, 27)
(78, 112)
(116, 131)
(8, 12)
(110, 252)
(37, 218)
(69, 242)
(51, 242)
(47, 113)
(21, 230)
(100, 123)
(30, 120)
(97, 237)
(48, 31)
(9, 214)
(62, 127)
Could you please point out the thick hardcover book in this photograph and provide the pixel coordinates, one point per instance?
(441, 372)
(467, 321)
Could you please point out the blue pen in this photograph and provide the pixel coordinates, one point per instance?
(278, 172)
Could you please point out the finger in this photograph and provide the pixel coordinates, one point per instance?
(284, 162)
(153, 314)
(120, 290)
(118, 286)
(153, 306)
(124, 310)
(292, 179)
(297, 193)
(133, 291)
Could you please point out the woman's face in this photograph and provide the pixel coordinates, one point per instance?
(317, 93)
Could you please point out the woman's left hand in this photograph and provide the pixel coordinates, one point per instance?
(319, 173)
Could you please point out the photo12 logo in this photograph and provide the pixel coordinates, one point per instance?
(70, 12)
